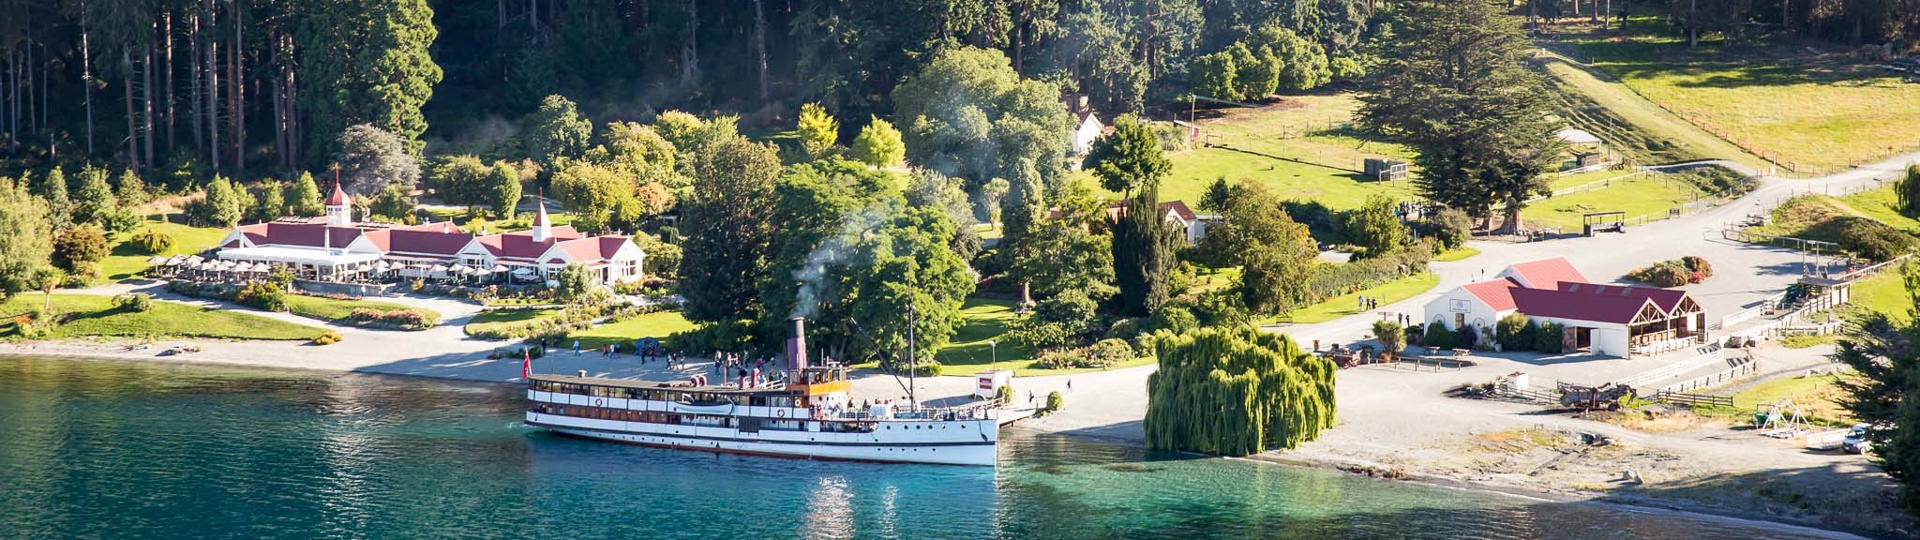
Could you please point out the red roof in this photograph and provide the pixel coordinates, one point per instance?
(1597, 303)
(1496, 294)
(339, 197)
(520, 244)
(1545, 273)
(301, 234)
(435, 241)
(1118, 209)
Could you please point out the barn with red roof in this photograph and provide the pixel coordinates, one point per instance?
(1610, 320)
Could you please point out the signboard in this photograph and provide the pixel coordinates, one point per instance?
(1459, 306)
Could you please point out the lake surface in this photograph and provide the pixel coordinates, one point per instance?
(129, 450)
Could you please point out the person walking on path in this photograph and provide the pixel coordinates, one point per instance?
(576, 347)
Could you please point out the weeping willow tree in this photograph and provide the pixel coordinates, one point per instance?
(1236, 391)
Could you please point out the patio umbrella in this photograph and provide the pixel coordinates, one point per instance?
(499, 267)
(156, 259)
(459, 269)
(438, 268)
(380, 266)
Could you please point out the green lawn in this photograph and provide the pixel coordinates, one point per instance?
(95, 316)
(1817, 111)
(1885, 292)
(1349, 304)
(983, 320)
(504, 317)
(655, 325)
(329, 309)
(1299, 148)
(125, 262)
(1815, 395)
(1647, 195)
(1804, 216)
(1456, 255)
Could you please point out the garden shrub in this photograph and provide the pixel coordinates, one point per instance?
(1872, 239)
(410, 319)
(1176, 319)
(1437, 335)
(1004, 394)
(1055, 402)
(1124, 329)
(83, 274)
(1392, 337)
(263, 295)
(1515, 332)
(1698, 266)
(328, 338)
(1465, 337)
(1547, 338)
(1663, 274)
(134, 302)
(1330, 280)
(1107, 352)
(152, 242)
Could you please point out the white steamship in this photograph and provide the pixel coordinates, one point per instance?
(811, 414)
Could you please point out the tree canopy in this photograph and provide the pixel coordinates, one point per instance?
(1236, 391)
(1455, 89)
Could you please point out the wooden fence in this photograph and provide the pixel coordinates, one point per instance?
(1692, 400)
(1742, 369)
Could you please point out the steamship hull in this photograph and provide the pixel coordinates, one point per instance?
(971, 442)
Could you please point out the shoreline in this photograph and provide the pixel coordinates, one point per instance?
(105, 351)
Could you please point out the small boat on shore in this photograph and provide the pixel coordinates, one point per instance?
(810, 414)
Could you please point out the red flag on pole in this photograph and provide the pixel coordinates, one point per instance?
(526, 364)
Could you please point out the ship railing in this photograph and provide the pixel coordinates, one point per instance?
(977, 411)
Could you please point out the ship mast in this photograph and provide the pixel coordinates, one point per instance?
(913, 361)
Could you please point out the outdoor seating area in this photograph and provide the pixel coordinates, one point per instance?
(198, 268)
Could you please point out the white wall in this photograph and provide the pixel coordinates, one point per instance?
(1478, 312)
(1605, 339)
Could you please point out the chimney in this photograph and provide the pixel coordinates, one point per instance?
(796, 344)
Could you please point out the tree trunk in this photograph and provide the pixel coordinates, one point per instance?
(690, 51)
(86, 73)
(166, 52)
(1512, 224)
(26, 69)
(194, 74)
(760, 45)
(146, 99)
(237, 92)
(126, 89)
(213, 85)
(1026, 294)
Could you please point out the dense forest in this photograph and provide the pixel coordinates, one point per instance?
(252, 88)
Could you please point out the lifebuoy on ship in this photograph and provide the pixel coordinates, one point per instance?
(599, 402)
(780, 413)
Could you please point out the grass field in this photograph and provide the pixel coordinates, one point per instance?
(1803, 216)
(1885, 292)
(1638, 196)
(329, 309)
(655, 325)
(1817, 396)
(1300, 148)
(504, 317)
(1632, 126)
(1852, 110)
(95, 316)
(1456, 255)
(125, 262)
(1349, 304)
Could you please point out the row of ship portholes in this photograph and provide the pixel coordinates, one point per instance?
(942, 426)
(885, 449)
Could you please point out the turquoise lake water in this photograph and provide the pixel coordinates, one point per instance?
(93, 449)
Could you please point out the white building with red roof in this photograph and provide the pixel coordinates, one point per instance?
(335, 246)
(1192, 226)
(1608, 320)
